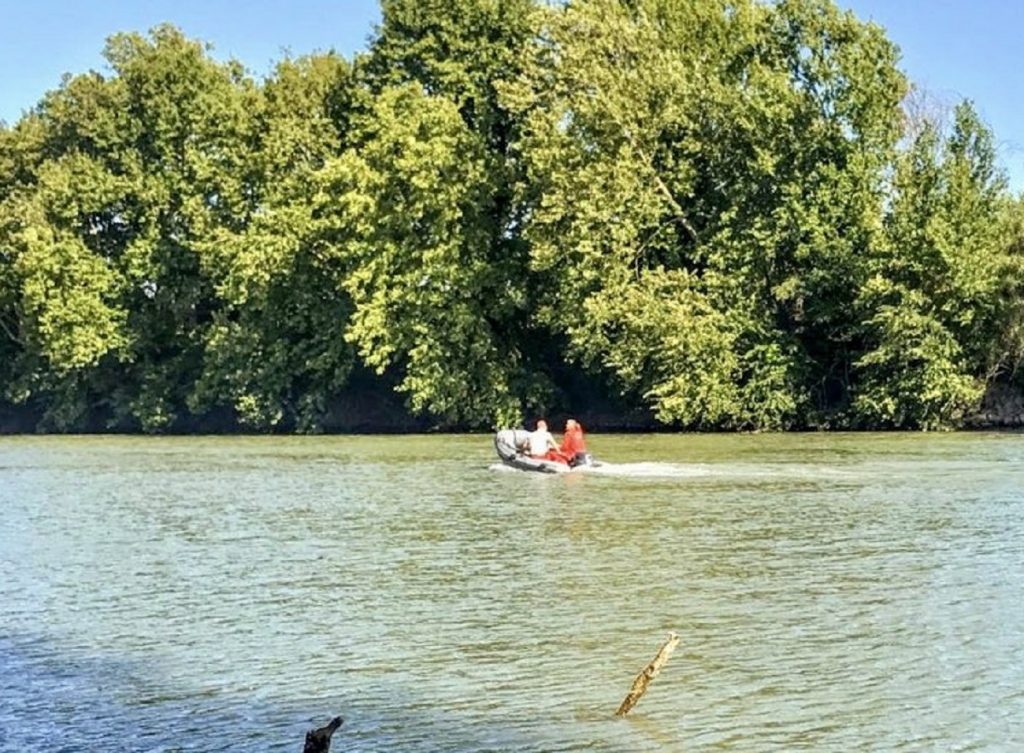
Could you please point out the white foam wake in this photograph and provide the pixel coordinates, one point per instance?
(651, 470)
(736, 471)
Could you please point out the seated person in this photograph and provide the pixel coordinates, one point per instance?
(572, 441)
(542, 444)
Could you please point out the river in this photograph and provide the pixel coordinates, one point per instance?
(832, 593)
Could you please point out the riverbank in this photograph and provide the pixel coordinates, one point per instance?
(371, 410)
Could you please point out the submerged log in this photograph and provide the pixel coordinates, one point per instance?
(319, 740)
(649, 673)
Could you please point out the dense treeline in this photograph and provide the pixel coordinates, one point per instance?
(720, 211)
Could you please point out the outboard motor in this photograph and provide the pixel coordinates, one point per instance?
(582, 459)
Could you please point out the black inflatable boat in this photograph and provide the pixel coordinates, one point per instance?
(511, 445)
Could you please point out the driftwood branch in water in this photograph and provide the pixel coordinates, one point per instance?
(319, 740)
(649, 673)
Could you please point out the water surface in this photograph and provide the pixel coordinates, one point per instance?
(832, 593)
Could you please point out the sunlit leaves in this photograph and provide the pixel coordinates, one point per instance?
(420, 283)
(939, 308)
(739, 146)
(716, 207)
(275, 351)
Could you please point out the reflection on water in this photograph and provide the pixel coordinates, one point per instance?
(839, 592)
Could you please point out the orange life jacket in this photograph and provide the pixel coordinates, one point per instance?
(572, 442)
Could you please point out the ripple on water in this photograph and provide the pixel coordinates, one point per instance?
(832, 593)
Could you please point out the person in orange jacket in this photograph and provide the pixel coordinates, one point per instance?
(572, 441)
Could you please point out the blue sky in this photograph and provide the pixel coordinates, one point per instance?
(953, 48)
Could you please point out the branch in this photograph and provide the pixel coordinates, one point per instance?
(10, 334)
(680, 216)
(649, 672)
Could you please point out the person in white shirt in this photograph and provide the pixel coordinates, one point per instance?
(542, 444)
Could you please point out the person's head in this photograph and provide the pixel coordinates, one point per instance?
(571, 424)
(542, 425)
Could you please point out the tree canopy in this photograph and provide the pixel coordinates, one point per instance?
(721, 213)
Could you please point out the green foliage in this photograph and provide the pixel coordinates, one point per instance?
(275, 350)
(663, 337)
(439, 272)
(102, 226)
(62, 296)
(719, 207)
(741, 144)
(914, 370)
(456, 49)
(423, 292)
(939, 309)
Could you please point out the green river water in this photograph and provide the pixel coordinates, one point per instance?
(832, 593)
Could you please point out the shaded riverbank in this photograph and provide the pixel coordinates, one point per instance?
(376, 410)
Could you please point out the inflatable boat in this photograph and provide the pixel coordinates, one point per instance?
(511, 445)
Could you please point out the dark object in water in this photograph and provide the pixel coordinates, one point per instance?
(511, 445)
(319, 740)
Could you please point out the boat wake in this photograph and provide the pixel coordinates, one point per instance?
(651, 469)
(659, 470)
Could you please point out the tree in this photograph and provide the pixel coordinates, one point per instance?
(717, 207)
(936, 310)
(276, 349)
(407, 206)
(132, 172)
(734, 151)
(438, 276)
